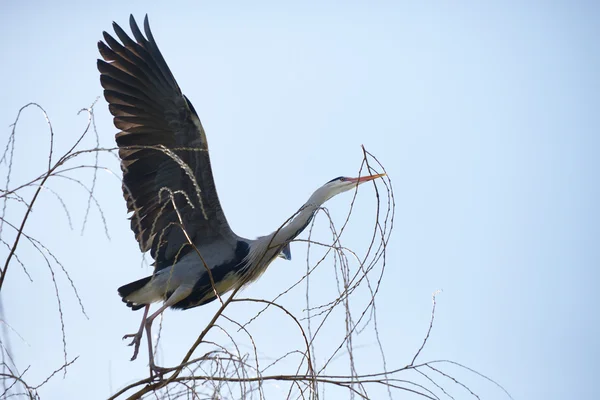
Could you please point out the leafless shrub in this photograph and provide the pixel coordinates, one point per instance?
(228, 360)
(16, 240)
(220, 369)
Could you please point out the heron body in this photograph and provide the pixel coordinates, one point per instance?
(248, 260)
(185, 273)
(169, 188)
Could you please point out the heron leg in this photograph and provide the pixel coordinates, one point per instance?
(179, 294)
(137, 337)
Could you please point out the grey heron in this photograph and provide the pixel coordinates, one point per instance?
(169, 189)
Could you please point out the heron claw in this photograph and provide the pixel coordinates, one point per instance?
(137, 339)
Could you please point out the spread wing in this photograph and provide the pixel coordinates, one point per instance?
(163, 149)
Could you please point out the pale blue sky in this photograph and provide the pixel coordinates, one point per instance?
(485, 115)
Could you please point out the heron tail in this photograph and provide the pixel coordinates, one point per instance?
(127, 290)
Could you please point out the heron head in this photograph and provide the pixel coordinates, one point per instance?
(339, 185)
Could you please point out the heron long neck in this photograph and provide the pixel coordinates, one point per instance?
(296, 225)
(264, 249)
(302, 218)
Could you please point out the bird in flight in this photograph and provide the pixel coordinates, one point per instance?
(170, 192)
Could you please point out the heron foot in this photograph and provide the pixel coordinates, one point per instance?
(137, 339)
(158, 372)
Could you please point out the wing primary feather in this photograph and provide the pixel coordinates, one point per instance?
(120, 76)
(116, 47)
(161, 63)
(138, 60)
(137, 34)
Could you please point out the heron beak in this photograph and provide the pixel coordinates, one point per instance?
(364, 179)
